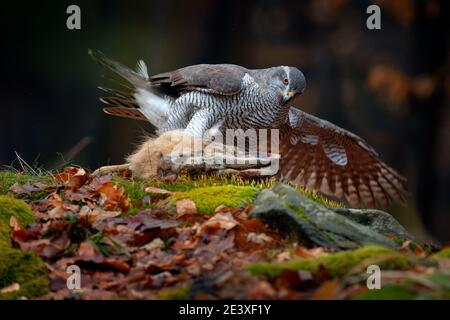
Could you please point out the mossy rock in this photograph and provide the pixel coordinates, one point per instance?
(336, 264)
(294, 213)
(207, 199)
(9, 207)
(16, 266)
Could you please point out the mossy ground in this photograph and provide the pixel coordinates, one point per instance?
(10, 177)
(336, 264)
(16, 266)
(407, 289)
(207, 199)
(135, 188)
(210, 191)
(443, 254)
(9, 207)
(24, 268)
(181, 293)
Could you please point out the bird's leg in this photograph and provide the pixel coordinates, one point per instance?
(111, 169)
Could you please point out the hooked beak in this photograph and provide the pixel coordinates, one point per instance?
(288, 96)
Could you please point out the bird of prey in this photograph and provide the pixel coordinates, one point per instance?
(313, 152)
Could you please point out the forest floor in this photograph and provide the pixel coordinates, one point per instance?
(188, 238)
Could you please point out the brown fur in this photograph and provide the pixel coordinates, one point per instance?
(147, 161)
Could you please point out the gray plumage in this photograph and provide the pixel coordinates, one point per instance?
(200, 97)
(314, 152)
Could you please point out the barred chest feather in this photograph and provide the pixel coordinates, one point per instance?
(253, 107)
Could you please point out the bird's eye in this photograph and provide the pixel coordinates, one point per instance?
(286, 81)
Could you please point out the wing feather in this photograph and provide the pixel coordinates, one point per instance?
(336, 162)
(223, 79)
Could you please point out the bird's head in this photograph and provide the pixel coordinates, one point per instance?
(288, 81)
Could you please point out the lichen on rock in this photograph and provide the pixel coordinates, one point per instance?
(293, 213)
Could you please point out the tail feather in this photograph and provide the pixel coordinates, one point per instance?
(125, 113)
(120, 102)
(117, 93)
(136, 79)
(144, 98)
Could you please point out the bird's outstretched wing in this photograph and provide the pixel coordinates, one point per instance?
(223, 79)
(320, 155)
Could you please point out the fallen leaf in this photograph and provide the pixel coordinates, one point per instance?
(145, 221)
(329, 290)
(154, 244)
(88, 252)
(14, 223)
(296, 280)
(116, 264)
(72, 177)
(97, 214)
(185, 206)
(223, 220)
(46, 248)
(258, 238)
(113, 197)
(11, 288)
(158, 192)
(283, 256)
(310, 253)
(28, 188)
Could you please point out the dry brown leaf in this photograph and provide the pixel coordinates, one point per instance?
(258, 238)
(329, 290)
(223, 220)
(185, 206)
(11, 288)
(14, 223)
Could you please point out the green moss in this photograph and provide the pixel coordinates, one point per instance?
(24, 268)
(181, 293)
(16, 266)
(336, 264)
(10, 206)
(186, 183)
(408, 289)
(207, 191)
(299, 212)
(207, 199)
(441, 279)
(316, 197)
(135, 188)
(391, 292)
(443, 254)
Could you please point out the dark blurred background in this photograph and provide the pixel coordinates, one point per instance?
(391, 86)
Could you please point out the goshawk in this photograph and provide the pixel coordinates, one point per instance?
(314, 152)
